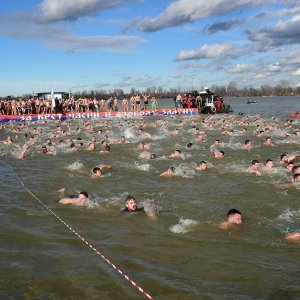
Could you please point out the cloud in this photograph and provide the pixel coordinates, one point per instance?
(58, 35)
(70, 10)
(281, 34)
(297, 72)
(209, 51)
(240, 68)
(185, 11)
(222, 26)
(73, 43)
(191, 65)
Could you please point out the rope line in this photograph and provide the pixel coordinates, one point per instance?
(85, 241)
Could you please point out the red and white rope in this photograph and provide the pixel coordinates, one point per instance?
(85, 241)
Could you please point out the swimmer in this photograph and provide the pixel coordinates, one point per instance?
(176, 154)
(202, 166)
(132, 207)
(91, 147)
(293, 237)
(215, 144)
(234, 217)
(143, 146)
(106, 149)
(97, 170)
(296, 170)
(81, 200)
(218, 154)
(189, 145)
(24, 151)
(294, 180)
(44, 150)
(254, 168)
(247, 145)
(169, 172)
(290, 166)
(269, 164)
(284, 158)
(122, 140)
(268, 142)
(153, 156)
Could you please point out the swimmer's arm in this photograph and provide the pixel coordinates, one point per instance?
(67, 200)
(24, 151)
(102, 166)
(292, 157)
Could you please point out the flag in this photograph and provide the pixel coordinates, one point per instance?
(52, 98)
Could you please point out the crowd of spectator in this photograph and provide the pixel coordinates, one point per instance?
(21, 106)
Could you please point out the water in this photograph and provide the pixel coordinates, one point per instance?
(181, 255)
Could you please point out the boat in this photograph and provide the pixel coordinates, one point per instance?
(295, 115)
(206, 102)
(251, 101)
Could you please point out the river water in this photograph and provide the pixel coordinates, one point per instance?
(182, 254)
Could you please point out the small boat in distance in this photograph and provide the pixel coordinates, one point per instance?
(251, 101)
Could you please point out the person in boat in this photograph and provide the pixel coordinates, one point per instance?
(234, 218)
(82, 199)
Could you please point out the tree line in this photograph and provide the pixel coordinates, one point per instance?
(230, 90)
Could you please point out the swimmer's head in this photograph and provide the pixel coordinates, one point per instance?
(172, 169)
(97, 170)
(44, 150)
(131, 203)
(290, 166)
(203, 165)
(153, 156)
(296, 177)
(234, 216)
(283, 157)
(83, 197)
(189, 145)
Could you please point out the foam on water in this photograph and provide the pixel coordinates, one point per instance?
(77, 165)
(184, 226)
(143, 167)
(290, 215)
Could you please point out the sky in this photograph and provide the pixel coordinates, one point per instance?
(76, 45)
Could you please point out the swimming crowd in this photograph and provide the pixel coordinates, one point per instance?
(20, 106)
(23, 138)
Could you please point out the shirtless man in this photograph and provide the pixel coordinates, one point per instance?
(176, 154)
(247, 145)
(97, 170)
(284, 158)
(234, 217)
(255, 168)
(268, 142)
(202, 166)
(81, 200)
(132, 207)
(218, 154)
(169, 172)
